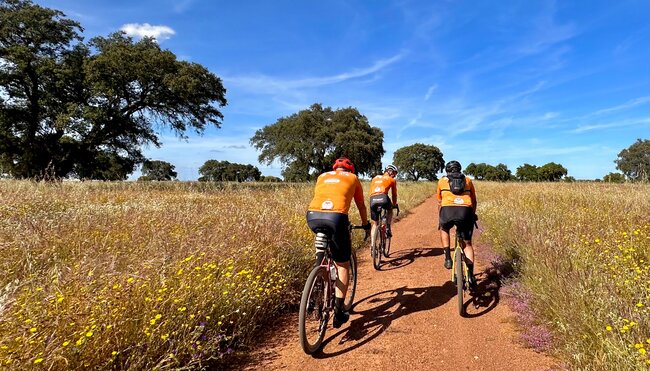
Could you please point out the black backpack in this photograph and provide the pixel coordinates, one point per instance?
(456, 183)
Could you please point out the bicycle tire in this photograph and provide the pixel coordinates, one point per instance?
(460, 280)
(318, 314)
(352, 287)
(376, 248)
(386, 245)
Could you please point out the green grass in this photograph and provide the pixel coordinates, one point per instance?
(149, 275)
(582, 252)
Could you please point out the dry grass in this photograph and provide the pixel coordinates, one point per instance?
(582, 252)
(148, 275)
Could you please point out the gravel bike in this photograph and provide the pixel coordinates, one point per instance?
(459, 273)
(381, 238)
(317, 302)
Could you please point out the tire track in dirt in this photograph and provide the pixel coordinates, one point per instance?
(405, 316)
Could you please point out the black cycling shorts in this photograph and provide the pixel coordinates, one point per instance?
(337, 226)
(379, 200)
(460, 216)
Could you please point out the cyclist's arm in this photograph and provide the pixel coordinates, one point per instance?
(472, 194)
(361, 204)
(394, 192)
(439, 193)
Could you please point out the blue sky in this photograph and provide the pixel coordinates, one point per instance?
(509, 82)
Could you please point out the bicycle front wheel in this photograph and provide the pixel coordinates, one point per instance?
(314, 311)
(352, 287)
(460, 280)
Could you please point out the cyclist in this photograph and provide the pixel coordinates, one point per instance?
(329, 209)
(457, 205)
(379, 187)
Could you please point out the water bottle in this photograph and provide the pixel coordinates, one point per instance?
(333, 272)
(321, 241)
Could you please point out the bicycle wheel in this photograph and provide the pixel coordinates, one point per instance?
(352, 287)
(386, 244)
(377, 247)
(314, 311)
(460, 279)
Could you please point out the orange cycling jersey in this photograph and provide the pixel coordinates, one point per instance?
(334, 193)
(382, 184)
(447, 198)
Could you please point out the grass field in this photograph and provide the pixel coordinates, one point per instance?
(582, 251)
(168, 275)
(149, 275)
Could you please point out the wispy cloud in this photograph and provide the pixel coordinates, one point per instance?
(268, 84)
(611, 125)
(430, 91)
(624, 106)
(139, 30)
(182, 5)
(547, 32)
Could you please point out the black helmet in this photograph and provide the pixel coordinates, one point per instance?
(453, 167)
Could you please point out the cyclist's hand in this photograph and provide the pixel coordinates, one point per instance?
(475, 217)
(366, 227)
(396, 206)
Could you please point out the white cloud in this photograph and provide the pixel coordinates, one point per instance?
(624, 106)
(430, 91)
(182, 5)
(141, 30)
(271, 85)
(613, 124)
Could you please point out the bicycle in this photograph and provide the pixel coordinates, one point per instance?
(382, 241)
(460, 270)
(317, 301)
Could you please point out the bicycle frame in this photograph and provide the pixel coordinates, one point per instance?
(459, 246)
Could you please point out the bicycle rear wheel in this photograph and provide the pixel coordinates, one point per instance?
(314, 310)
(460, 280)
(377, 247)
(386, 244)
(352, 287)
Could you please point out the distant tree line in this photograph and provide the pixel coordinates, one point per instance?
(221, 171)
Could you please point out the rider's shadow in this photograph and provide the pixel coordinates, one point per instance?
(387, 306)
(486, 295)
(402, 258)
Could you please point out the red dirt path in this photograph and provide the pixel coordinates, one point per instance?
(405, 316)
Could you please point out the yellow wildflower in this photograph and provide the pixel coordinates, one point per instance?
(38, 360)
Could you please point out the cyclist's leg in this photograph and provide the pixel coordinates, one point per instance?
(389, 216)
(374, 217)
(444, 226)
(341, 252)
(466, 228)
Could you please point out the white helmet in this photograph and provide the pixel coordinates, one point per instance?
(392, 167)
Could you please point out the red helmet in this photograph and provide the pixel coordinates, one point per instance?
(345, 163)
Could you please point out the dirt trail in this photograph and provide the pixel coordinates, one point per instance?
(404, 317)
